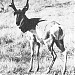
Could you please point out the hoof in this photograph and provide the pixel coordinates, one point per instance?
(47, 72)
(37, 70)
(30, 71)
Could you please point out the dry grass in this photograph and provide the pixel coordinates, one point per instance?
(15, 49)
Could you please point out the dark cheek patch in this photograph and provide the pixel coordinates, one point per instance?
(58, 34)
(60, 44)
(58, 40)
(48, 35)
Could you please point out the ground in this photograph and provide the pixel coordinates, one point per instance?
(15, 49)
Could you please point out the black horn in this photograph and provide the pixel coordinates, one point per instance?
(26, 7)
(13, 6)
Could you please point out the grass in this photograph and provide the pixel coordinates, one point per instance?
(15, 51)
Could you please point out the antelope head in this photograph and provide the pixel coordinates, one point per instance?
(19, 13)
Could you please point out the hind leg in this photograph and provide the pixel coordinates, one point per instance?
(54, 58)
(64, 62)
(60, 45)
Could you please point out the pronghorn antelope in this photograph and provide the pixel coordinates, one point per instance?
(28, 26)
(53, 35)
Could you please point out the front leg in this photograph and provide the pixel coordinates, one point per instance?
(38, 56)
(32, 55)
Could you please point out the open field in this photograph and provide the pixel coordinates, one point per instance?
(15, 48)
